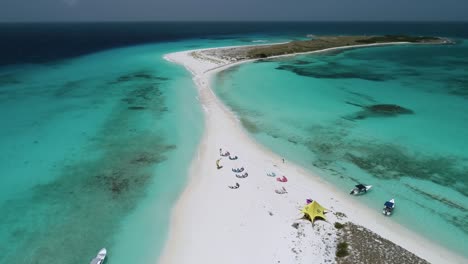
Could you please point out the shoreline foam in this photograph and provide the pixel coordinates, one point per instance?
(212, 223)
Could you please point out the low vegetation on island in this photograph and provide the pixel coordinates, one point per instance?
(321, 43)
(357, 244)
(315, 44)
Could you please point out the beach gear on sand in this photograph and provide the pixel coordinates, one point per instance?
(242, 176)
(271, 174)
(281, 191)
(282, 179)
(233, 158)
(235, 186)
(314, 211)
(308, 201)
(238, 169)
(388, 207)
(360, 189)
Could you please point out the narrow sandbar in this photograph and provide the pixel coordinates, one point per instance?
(212, 223)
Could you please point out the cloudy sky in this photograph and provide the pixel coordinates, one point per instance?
(252, 10)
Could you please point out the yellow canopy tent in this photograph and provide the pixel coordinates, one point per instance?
(314, 210)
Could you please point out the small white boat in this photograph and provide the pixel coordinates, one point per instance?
(388, 207)
(360, 189)
(99, 259)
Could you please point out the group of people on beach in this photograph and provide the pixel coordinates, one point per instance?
(226, 154)
(237, 171)
(244, 174)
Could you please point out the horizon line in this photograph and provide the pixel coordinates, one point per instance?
(234, 21)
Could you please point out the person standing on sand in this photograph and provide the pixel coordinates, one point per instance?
(283, 160)
(218, 166)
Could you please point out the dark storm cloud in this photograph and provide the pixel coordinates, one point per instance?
(150, 10)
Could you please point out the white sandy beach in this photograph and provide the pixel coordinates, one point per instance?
(212, 223)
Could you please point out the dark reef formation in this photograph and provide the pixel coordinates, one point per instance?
(391, 162)
(378, 110)
(144, 91)
(139, 75)
(8, 79)
(84, 205)
(330, 146)
(388, 109)
(331, 71)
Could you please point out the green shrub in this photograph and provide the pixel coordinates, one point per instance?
(342, 250)
(338, 225)
(340, 214)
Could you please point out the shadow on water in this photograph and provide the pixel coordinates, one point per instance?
(69, 219)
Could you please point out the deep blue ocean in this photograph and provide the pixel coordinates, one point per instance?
(98, 130)
(44, 42)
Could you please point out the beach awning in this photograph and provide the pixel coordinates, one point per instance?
(314, 210)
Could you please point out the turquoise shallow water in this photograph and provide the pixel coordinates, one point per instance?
(327, 113)
(95, 152)
(95, 149)
(88, 146)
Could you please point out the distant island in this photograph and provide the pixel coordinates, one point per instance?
(316, 44)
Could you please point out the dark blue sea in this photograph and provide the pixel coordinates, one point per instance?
(43, 42)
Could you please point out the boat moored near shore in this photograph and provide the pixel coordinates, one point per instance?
(388, 207)
(360, 189)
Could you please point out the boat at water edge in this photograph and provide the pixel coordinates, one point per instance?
(360, 189)
(388, 207)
